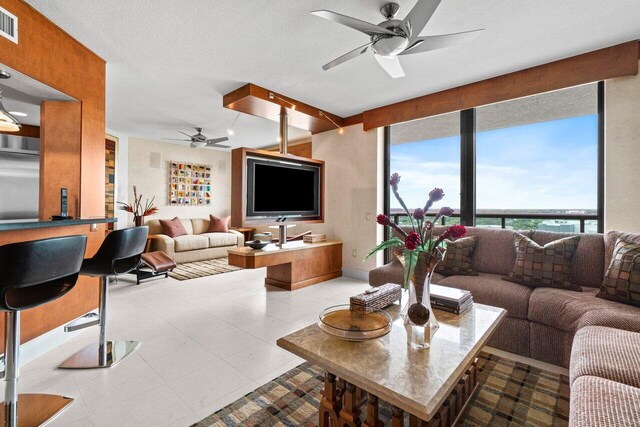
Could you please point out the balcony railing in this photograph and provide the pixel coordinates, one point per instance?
(501, 216)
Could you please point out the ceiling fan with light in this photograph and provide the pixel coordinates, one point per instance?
(394, 37)
(199, 140)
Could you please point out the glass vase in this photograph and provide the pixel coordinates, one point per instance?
(138, 221)
(419, 319)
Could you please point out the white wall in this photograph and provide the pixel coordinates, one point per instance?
(152, 179)
(622, 154)
(353, 169)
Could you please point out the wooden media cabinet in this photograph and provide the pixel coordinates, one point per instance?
(294, 266)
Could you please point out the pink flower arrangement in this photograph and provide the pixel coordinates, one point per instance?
(421, 237)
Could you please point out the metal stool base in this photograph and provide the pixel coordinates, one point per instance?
(89, 357)
(36, 409)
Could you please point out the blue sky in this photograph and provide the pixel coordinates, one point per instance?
(548, 165)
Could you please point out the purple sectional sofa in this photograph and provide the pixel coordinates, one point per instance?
(541, 322)
(599, 340)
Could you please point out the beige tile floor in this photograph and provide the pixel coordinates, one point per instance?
(205, 343)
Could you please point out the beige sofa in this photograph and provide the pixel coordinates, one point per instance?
(197, 245)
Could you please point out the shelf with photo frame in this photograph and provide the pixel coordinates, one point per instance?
(189, 184)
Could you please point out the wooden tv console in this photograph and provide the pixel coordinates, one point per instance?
(294, 266)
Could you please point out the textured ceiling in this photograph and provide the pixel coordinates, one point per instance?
(170, 62)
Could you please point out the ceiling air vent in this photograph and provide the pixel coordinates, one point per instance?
(8, 25)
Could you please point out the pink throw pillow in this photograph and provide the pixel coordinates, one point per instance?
(218, 225)
(173, 227)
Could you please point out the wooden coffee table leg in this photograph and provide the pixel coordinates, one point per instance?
(330, 404)
(350, 407)
(417, 422)
(372, 413)
(397, 417)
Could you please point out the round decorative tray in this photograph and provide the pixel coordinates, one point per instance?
(354, 325)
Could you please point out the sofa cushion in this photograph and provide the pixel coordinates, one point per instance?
(570, 311)
(191, 242)
(494, 252)
(610, 239)
(457, 259)
(491, 289)
(622, 281)
(173, 227)
(217, 240)
(586, 265)
(608, 353)
(597, 402)
(548, 265)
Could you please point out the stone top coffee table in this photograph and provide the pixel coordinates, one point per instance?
(433, 385)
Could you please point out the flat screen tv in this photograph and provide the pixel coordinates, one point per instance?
(282, 189)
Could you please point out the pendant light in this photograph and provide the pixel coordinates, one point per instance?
(8, 123)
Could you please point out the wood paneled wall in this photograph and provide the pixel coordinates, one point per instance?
(51, 56)
(60, 150)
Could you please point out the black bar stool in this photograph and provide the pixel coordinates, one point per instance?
(32, 274)
(119, 253)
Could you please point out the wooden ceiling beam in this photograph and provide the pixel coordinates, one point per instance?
(616, 61)
(258, 101)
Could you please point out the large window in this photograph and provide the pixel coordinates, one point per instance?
(536, 161)
(426, 154)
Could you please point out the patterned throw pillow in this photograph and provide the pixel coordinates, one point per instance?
(544, 266)
(457, 259)
(622, 281)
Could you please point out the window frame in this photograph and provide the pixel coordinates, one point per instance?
(468, 196)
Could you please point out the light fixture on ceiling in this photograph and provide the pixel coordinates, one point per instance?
(274, 96)
(4, 75)
(18, 113)
(340, 129)
(233, 125)
(8, 123)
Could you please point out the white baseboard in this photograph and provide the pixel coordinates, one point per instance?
(354, 273)
(38, 346)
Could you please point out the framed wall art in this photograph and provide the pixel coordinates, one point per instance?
(189, 184)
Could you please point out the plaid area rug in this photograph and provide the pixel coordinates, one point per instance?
(191, 270)
(510, 394)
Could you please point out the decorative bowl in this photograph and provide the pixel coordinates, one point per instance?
(257, 244)
(354, 325)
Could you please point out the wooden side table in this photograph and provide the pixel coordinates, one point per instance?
(247, 231)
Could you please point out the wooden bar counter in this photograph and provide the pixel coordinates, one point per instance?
(294, 266)
(82, 299)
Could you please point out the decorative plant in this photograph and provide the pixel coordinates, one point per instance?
(137, 208)
(420, 238)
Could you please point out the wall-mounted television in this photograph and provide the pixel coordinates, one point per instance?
(282, 189)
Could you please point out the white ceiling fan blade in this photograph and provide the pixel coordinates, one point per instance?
(417, 19)
(362, 26)
(175, 139)
(391, 65)
(186, 134)
(428, 43)
(347, 56)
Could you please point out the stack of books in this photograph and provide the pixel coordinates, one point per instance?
(314, 238)
(453, 300)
